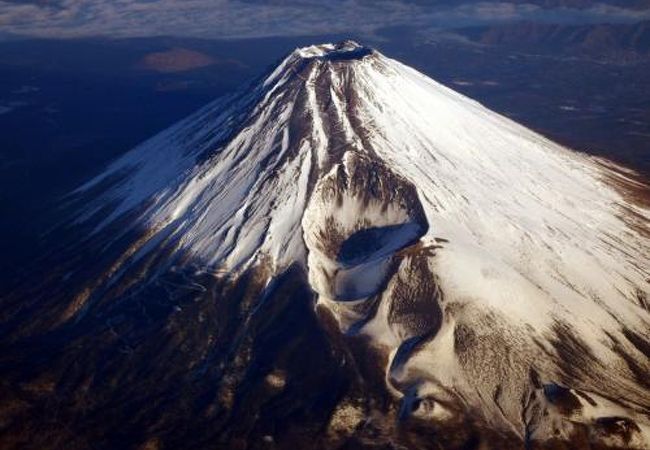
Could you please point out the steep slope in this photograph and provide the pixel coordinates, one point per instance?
(485, 274)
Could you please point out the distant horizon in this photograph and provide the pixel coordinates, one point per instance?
(65, 19)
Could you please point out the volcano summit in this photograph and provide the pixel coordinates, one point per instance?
(344, 254)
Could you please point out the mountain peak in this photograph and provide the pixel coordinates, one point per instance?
(433, 227)
(342, 51)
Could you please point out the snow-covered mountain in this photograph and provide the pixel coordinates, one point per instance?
(493, 280)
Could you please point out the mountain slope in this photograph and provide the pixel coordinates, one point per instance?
(473, 270)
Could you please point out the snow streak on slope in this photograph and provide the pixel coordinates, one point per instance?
(499, 270)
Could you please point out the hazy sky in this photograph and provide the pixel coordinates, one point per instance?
(256, 18)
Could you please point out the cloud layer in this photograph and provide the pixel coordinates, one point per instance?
(254, 18)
